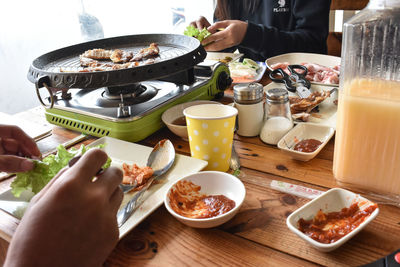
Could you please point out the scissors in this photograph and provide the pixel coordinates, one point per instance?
(295, 82)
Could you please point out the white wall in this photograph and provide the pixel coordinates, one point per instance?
(29, 29)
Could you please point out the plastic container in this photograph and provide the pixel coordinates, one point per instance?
(367, 145)
(278, 119)
(249, 103)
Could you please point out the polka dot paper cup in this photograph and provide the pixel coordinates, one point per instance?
(210, 130)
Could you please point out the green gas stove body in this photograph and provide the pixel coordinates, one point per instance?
(134, 116)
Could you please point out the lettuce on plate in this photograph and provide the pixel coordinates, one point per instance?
(196, 33)
(45, 170)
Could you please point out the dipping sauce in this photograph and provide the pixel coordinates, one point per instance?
(330, 227)
(186, 200)
(181, 121)
(307, 145)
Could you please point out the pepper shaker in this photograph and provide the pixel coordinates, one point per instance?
(278, 118)
(249, 103)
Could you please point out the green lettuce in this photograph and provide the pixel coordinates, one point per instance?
(196, 33)
(45, 170)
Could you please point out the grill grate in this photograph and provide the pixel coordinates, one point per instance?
(177, 54)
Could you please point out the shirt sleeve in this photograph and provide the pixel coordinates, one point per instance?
(311, 20)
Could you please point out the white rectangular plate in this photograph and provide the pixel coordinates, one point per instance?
(223, 56)
(120, 152)
(257, 78)
(298, 58)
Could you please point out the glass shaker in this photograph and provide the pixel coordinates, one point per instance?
(249, 103)
(367, 144)
(278, 118)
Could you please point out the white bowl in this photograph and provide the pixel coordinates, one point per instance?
(303, 131)
(212, 183)
(333, 200)
(171, 114)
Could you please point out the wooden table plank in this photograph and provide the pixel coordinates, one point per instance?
(262, 219)
(167, 242)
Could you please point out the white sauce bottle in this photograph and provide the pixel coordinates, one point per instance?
(278, 119)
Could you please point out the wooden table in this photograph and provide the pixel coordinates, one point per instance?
(257, 235)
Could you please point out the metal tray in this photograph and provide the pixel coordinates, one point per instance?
(177, 53)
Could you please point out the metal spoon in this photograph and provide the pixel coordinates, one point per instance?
(160, 160)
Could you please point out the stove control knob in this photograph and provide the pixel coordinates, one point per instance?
(223, 81)
(123, 111)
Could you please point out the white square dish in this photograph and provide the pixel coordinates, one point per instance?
(123, 152)
(303, 131)
(333, 200)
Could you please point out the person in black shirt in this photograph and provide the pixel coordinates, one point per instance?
(264, 28)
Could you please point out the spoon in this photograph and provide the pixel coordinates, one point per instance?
(157, 161)
(160, 160)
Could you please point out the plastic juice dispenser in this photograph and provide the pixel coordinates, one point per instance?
(367, 144)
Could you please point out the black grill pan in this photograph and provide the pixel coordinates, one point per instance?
(177, 53)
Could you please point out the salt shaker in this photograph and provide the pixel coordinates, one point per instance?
(278, 119)
(249, 103)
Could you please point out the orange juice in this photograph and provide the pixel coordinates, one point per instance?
(367, 144)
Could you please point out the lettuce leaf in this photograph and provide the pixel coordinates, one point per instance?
(196, 33)
(45, 170)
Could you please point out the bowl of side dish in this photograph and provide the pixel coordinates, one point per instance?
(205, 199)
(175, 120)
(333, 218)
(305, 140)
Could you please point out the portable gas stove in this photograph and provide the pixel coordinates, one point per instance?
(126, 104)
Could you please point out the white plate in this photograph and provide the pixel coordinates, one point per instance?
(333, 200)
(222, 56)
(122, 151)
(298, 58)
(327, 109)
(303, 131)
(260, 73)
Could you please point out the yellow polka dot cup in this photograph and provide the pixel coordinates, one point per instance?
(210, 130)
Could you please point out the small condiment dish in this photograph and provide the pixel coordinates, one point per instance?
(212, 183)
(301, 132)
(333, 200)
(175, 113)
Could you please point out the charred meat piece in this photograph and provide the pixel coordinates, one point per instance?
(98, 53)
(119, 56)
(148, 52)
(298, 105)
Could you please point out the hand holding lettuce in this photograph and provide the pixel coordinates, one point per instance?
(45, 170)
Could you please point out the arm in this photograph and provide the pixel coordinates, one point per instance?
(311, 20)
(72, 221)
(308, 23)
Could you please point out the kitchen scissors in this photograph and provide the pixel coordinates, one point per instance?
(296, 82)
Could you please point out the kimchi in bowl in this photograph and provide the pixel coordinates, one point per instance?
(205, 199)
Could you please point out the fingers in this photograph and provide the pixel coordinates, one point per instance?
(110, 179)
(116, 199)
(89, 164)
(48, 186)
(218, 25)
(200, 23)
(27, 144)
(11, 163)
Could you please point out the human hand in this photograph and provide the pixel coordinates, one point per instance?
(15, 145)
(72, 221)
(233, 34)
(200, 23)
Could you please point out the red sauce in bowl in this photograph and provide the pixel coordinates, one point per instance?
(330, 227)
(307, 145)
(186, 200)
